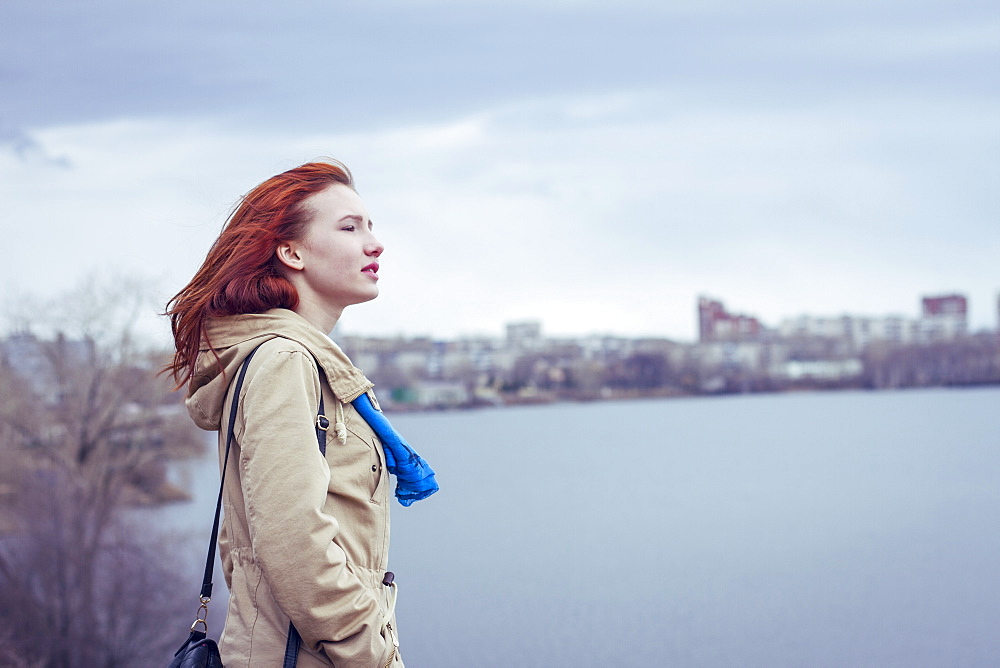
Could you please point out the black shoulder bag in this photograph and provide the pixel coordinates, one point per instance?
(199, 651)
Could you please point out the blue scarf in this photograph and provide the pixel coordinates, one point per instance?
(414, 477)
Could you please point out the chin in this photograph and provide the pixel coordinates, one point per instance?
(367, 298)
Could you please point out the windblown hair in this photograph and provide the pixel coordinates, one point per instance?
(241, 273)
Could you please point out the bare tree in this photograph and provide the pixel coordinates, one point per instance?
(85, 429)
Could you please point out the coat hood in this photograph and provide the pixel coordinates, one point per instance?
(233, 337)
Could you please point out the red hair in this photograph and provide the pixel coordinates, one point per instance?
(241, 273)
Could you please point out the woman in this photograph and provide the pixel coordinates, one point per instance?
(306, 534)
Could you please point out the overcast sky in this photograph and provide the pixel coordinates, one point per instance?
(595, 165)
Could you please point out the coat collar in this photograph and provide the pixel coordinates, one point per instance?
(248, 330)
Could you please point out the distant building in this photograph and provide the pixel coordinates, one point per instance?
(947, 305)
(525, 335)
(431, 394)
(816, 326)
(820, 370)
(944, 317)
(892, 328)
(717, 324)
(858, 331)
(603, 347)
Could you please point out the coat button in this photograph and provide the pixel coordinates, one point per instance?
(374, 468)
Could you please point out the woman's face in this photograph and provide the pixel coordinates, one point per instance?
(339, 253)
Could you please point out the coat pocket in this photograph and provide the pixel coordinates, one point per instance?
(360, 459)
(378, 471)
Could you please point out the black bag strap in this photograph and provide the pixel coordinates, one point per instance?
(206, 583)
(322, 424)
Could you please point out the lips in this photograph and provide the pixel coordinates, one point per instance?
(371, 269)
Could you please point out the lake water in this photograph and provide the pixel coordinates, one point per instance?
(826, 529)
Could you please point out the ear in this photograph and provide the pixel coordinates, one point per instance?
(289, 255)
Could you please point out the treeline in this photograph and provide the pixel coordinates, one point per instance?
(973, 360)
(829, 364)
(656, 367)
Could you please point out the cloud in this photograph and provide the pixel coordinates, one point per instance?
(379, 65)
(592, 213)
(21, 145)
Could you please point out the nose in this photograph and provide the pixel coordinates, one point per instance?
(374, 248)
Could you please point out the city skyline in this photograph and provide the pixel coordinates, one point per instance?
(504, 329)
(31, 315)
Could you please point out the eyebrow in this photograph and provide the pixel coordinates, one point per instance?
(371, 223)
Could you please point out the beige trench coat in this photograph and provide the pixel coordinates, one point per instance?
(304, 538)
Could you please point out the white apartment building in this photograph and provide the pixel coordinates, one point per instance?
(943, 319)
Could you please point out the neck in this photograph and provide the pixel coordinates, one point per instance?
(319, 316)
